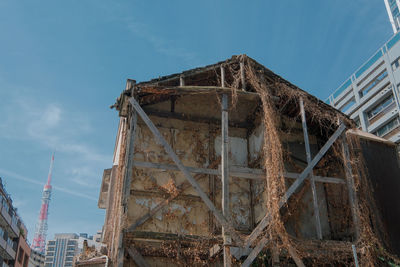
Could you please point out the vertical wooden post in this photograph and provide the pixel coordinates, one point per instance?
(353, 248)
(242, 77)
(222, 76)
(312, 181)
(225, 178)
(181, 81)
(130, 149)
(350, 186)
(127, 178)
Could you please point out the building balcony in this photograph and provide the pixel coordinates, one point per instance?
(3, 249)
(382, 113)
(10, 250)
(15, 228)
(392, 133)
(5, 218)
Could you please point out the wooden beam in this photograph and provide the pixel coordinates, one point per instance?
(353, 247)
(126, 182)
(242, 76)
(239, 172)
(350, 187)
(162, 166)
(221, 219)
(222, 76)
(254, 253)
(225, 178)
(163, 194)
(120, 249)
(295, 256)
(265, 221)
(312, 179)
(130, 150)
(168, 236)
(137, 257)
(188, 117)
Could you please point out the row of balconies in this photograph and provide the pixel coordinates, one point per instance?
(8, 249)
(9, 220)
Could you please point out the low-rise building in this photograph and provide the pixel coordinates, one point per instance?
(12, 232)
(64, 247)
(61, 250)
(36, 259)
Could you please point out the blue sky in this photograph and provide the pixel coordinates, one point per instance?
(63, 63)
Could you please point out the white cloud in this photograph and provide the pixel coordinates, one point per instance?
(33, 181)
(55, 128)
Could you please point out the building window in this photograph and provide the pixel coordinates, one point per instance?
(26, 260)
(51, 243)
(395, 12)
(358, 122)
(10, 242)
(396, 64)
(5, 205)
(380, 109)
(20, 255)
(373, 83)
(387, 128)
(71, 242)
(348, 105)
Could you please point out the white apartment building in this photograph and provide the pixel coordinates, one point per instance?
(392, 8)
(61, 250)
(370, 95)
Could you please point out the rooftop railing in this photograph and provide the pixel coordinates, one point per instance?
(364, 67)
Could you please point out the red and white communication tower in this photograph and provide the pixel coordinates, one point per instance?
(39, 240)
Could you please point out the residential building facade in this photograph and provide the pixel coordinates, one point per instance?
(392, 8)
(370, 96)
(36, 259)
(61, 250)
(12, 231)
(23, 253)
(64, 247)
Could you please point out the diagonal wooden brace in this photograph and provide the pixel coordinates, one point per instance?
(266, 220)
(221, 219)
(137, 257)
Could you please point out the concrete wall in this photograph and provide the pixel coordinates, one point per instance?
(199, 145)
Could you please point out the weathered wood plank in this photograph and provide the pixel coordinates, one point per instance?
(222, 76)
(350, 187)
(137, 257)
(130, 149)
(265, 221)
(162, 166)
(353, 248)
(221, 219)
(242, 76)
(168, 236)
(295, 256)
(254, 253)
(238, 172)
(312, 179)
(225, 177)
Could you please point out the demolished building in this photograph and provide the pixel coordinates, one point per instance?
(231, 164)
